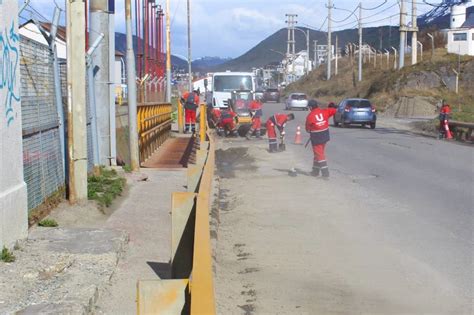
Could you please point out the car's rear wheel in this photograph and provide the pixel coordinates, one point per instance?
(372, 125)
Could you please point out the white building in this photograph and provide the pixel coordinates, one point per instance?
(298, 66)
(461, 32)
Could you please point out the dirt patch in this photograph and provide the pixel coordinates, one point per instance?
(234, 159)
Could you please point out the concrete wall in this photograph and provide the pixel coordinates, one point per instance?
(13, 207)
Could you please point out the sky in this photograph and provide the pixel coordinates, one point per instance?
(229, 28)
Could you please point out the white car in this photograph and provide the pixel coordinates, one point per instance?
(296, 101)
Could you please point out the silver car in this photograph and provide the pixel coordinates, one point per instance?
(296, 101)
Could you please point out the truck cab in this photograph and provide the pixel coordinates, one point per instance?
(224, 83)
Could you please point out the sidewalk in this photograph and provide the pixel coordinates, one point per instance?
(145, 216)
(92, 261)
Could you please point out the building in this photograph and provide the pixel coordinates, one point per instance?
(297, 66)
(461, 32)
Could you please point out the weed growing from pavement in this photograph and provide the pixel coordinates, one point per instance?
(127, 168)
(48, 223)
(7, 256)
(104, 188)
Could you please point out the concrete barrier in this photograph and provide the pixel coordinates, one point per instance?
(191, 259)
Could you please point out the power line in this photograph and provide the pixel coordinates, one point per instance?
(376, 7)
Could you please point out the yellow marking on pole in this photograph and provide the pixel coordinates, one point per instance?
(180, 117)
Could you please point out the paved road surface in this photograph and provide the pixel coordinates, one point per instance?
(390, 233)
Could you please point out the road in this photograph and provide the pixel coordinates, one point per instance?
(389, 233)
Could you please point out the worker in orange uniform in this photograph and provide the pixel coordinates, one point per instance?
(444, 115)
(279, 121)
(191, 104)
(256, 112)
(317, 124)
(228, 122)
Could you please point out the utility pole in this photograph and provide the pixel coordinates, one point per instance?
(360, 42)
(316, 62)
(403, 34)
(335, 60)
(190, 74)
(76, 105)
(414, 35)
(132, 91)
(290, 52)
(307, 51)
(99, 24)
(329, 50)
(168, 53)
(432, 45)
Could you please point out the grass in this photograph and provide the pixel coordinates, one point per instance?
(7, 256)
(127, 168)
(105, 187)
(385, 86)
(48, 223)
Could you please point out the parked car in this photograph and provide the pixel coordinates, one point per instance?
(355, 111)
(296, 100)
(271, 95)
(259, 95)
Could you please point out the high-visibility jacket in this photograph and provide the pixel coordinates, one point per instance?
(190, 103)
(317, 124)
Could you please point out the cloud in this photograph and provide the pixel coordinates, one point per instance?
(229, 28)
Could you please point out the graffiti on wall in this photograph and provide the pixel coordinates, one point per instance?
(9, 59)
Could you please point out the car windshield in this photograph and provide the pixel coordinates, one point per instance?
(358, 103)
(298, 97)
(228, 83)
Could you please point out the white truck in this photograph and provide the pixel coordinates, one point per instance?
(223, 83)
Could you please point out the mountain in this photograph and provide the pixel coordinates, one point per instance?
(272, 49)
(121, 45)
(205, 63)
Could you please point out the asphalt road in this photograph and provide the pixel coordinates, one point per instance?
(390, 233)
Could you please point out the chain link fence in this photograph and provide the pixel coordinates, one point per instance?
(42, 161)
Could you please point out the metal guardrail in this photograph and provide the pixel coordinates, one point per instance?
(191, 289)
(462, 130)
(154, 126)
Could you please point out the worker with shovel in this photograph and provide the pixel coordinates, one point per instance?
(317, 125)
(279, 121)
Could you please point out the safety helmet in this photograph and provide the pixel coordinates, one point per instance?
(313, 103)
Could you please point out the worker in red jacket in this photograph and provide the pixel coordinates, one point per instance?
(228, 121)
(279, 121)
(190, 101)
(256, 112)
(317, 124)
(444, 115)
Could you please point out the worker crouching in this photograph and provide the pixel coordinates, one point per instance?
(317, 125)
(256, 112)
(277, 121)
(227, 124)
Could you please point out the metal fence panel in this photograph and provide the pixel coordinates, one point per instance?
(42, 161)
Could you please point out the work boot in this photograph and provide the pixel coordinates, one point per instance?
(315, 172)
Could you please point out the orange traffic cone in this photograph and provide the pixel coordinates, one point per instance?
(298, 139)
(448, 132)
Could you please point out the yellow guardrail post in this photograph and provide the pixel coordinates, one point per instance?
(180, 117)
(202, 122)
